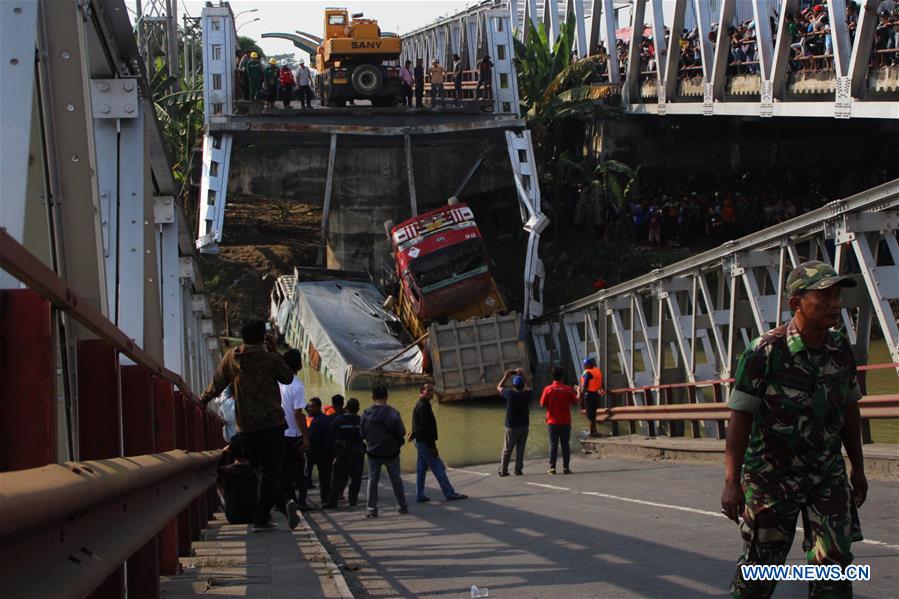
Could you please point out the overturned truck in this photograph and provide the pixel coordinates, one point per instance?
(436, 313)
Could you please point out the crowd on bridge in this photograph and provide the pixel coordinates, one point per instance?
(809, 32)
(277, 81)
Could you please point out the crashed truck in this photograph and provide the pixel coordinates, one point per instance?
(435, 315)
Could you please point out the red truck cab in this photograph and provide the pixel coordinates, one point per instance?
(441, 263)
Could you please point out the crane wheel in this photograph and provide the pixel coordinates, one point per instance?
(367, 79)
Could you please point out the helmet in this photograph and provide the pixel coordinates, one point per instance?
(283, 62)
(518, 381)
(253, 55)
(588, 362)
(272, 61)
(302, 61)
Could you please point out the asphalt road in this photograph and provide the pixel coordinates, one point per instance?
(614, 528)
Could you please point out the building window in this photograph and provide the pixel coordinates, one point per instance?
(522, 156)
(507, 107)
(216, 81)
(210, 199)
(216, 52)
(504, 81)
(501, 51)
(215, 24)
(213, 169)
(216, 142)
(217, 109)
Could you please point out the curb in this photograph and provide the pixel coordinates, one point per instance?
(333, 571)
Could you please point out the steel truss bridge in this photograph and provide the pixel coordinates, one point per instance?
(851, 88)
(674, 335)
(106, 334)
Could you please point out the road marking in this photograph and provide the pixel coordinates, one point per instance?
(879, 544)
(548, 486)
(654, 504)
(707, 513)
(469, 471)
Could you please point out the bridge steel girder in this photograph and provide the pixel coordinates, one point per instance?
(705, 332)
(850, 58)
(88, 191)
(18, 31)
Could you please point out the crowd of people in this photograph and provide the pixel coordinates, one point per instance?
(697, 212)
(277, 439)
(811, 42)
(414, 79)
(276, 81)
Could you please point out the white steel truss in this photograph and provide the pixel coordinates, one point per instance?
(87, 185)
(690, 321)
(851, 92)
(486, 28)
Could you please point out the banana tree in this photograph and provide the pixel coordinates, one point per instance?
(180, 113)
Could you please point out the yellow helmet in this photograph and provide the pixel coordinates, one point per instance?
(253, 55)
(272, 61)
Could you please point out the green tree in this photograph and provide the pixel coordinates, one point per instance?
(180, 113)
(248, 44)
(561, 100)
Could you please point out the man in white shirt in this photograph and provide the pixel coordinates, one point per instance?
(296, 438)
(304, 85)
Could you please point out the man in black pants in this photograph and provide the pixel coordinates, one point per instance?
(292, 475)
(321, 447)
(419, 81)
(254, 374)
(349, 453)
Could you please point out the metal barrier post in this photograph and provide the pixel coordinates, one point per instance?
(694, 424)
(184, 529)
(191, 445)
(99, 422)
(200, 503)
(722, 429)
(139, 439)
(211, 431)
(164, 416)
(27, 369)
(632, 425)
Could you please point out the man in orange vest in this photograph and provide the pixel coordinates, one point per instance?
(590, 391)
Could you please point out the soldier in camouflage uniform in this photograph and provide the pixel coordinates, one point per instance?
(794, 402)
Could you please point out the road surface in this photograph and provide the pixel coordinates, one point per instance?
(614, 528)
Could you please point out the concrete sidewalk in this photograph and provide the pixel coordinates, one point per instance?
(881, 459)
(232, 561)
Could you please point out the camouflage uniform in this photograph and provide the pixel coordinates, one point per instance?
(793, 464)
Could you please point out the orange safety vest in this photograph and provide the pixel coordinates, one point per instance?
(595, 382)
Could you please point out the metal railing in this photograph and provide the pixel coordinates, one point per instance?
(68, 528)
(628, 410)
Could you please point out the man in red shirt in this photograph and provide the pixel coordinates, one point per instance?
(558, 398)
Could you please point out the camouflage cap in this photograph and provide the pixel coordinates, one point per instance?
(815, 275)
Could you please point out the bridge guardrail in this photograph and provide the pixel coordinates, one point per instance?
(77, 522)
(872, 406)
(70, 527)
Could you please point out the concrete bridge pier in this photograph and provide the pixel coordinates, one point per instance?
(366, 169)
